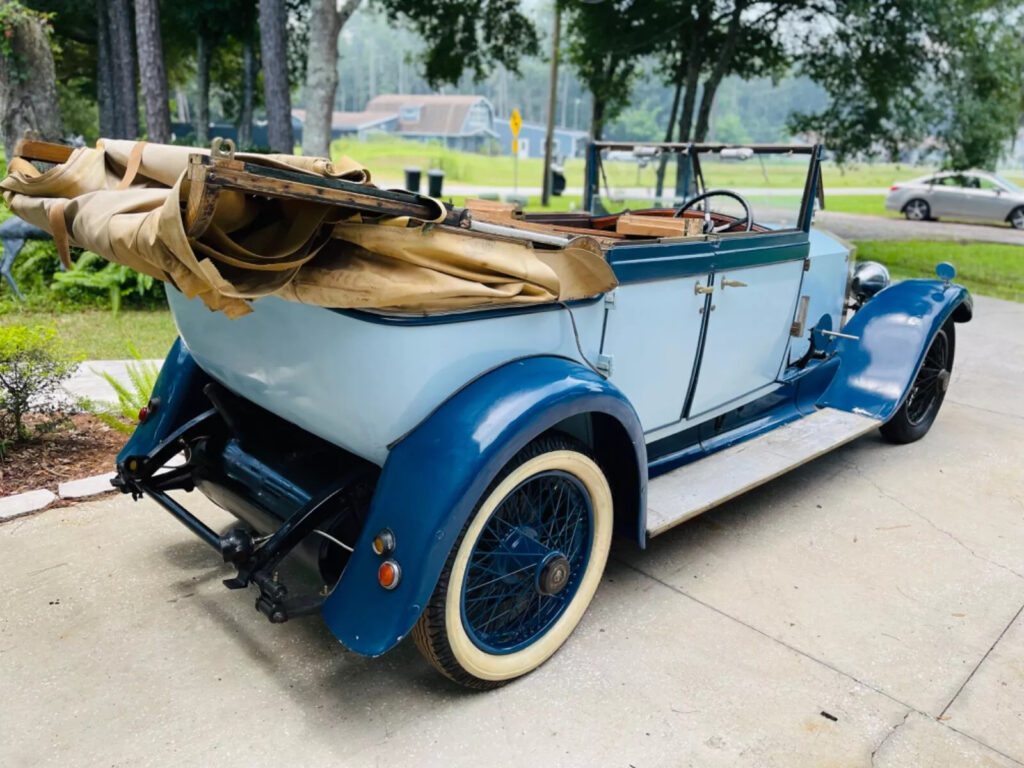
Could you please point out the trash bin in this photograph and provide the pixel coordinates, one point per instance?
(412, 179)
(557, 181)
(435, 180)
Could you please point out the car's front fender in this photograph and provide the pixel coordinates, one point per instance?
(434, 477)
(893, 332)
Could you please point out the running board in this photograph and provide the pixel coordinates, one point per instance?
(683, 493)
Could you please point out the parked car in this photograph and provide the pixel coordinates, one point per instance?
(977, 195)
(458, 475)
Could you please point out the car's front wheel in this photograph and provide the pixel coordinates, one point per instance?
(917, 210)
(1017, 218)
(921, 405)
(525, 568)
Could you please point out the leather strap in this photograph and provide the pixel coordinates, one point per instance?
(59, 230)
(134, 161)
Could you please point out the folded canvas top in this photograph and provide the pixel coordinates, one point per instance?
(230, 228)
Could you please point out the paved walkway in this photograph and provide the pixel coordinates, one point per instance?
(88, 382)
(863, 610)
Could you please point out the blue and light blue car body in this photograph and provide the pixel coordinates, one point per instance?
(652, 376)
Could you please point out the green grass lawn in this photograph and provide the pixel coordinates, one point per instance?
(989, 269)
(388, 157)
(102, 335)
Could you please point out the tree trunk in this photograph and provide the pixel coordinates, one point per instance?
(248, 95)
(151, 70)
(28, 85)
(693, 65)
(722, 64)
(122, 49)
(325, 22)
(672, 114)
(201, 122)
(273, 22)
(104, 72)
(596, 118)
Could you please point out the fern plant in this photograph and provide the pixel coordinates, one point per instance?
(116, 279)
(132, 395)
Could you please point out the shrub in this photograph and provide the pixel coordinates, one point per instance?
(93, 273)
(132, 395)
(32, 369)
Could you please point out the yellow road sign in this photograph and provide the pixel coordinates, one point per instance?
(515, 122)
(515, 146)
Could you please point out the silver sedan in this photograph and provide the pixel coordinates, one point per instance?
(959, 195)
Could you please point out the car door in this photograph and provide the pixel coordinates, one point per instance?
(944, 196)
(651, 336)
(751, 311)
(983, 199)
(971, 199)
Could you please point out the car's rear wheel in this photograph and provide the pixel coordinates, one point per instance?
(1017, 218)
(921, 405)
(917, 210)
(524, 570)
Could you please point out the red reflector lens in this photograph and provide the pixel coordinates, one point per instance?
(894, 187)
(143, 414)
(388, 574)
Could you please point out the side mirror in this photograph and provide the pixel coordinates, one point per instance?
(945, 271)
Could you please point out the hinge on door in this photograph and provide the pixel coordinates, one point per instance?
(609, 299)
(797, 328)
(604, 364)
(807, 264)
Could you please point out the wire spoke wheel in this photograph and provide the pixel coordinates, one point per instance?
(930, 384)
(525, 568)
(528, 561)
(924, 398)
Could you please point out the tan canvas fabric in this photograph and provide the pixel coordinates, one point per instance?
(125, 201)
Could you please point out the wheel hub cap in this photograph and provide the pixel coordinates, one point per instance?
(553, 574)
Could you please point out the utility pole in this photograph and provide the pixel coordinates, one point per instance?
(545, 196)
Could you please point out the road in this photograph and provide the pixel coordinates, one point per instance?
(862, 610)
(855, 226)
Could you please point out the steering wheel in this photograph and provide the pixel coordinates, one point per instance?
(747, 220)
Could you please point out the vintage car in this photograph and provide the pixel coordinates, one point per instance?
(458, 475)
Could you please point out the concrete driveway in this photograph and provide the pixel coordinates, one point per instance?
(865, 609)
(857, 226)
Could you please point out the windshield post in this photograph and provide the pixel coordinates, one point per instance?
(591, 175)
(810, 189)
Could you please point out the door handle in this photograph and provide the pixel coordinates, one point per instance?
(698, 289)
(733, 283)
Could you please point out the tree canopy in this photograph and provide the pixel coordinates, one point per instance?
(903, 72)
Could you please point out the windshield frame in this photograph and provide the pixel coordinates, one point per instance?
(694, 176)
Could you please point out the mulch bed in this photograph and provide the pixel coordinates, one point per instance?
(88, 448)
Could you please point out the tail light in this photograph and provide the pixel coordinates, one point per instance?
(148, 409)
(389, 574)
(894, 187)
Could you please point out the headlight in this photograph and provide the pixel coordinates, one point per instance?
(869, 278)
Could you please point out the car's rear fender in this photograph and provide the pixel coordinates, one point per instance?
(892, 334)
(434, 477)
(177, 396)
